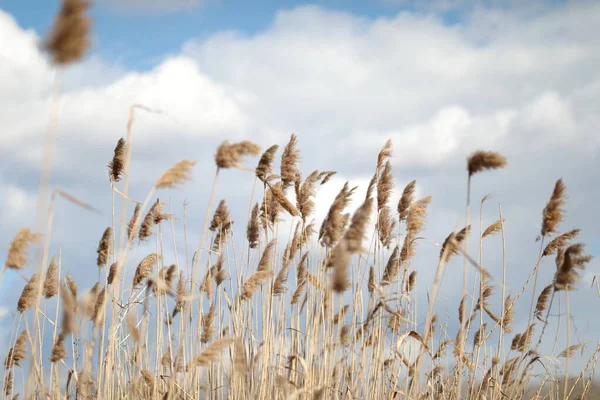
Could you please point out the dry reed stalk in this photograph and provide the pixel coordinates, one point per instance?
(19, 247)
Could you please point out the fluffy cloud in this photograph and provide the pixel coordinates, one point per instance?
(524, 85)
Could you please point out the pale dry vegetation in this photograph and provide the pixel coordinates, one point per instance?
(326, 309)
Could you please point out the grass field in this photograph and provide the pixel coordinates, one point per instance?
(282, 305)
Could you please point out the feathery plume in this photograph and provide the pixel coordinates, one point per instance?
(29, 294)
(177, 175)
(17, 252)
(131, 223)
(251, 285)
(17, 353)
(253, 230)
(112, 272)
(264, 167)
(144, 268)
(208, 329)
(117, 164)
(566, 276)
(406, 200)
(494, 228)
(283, 201)
(356, 232)
(385, 184)
(553, 212)
(484, 160)
(384, 154)
(542, 301)
(211, 353)
(304, 194)
(51, 281)
(104, 248)
(289, 161)
(59, 350)
(68, 40)
(229, 155)
(560, 242)
(333, 224)
(221, 216)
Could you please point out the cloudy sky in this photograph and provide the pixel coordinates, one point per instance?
(441, 79)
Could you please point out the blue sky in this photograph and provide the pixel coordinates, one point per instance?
(516, 78)
(139, 38)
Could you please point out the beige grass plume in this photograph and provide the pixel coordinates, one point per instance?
(104, 248)
(542, 301)
(29, 294)
(406, 200)
(333, 224)
(212, 352)
(19, 247)
(553, 213)
(229, 155)
(145, 268)
(289, 163)
(253, 228)
(177, 175)
(385, 184)
(50, 288)
(252, 283)
(559, 242)
(283, 201)
(69, 38)
(384, 154)
(566, 276)
(17, 353)
(59, 350)
(304, 194)
(131, 223)
(484, 160)
(208, 329)
(221, 216)
(117, 164)
(492, 229)
(265, 164)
